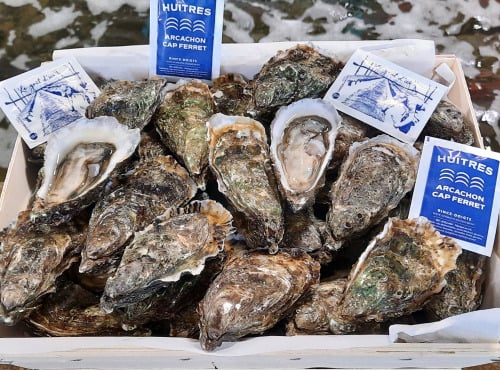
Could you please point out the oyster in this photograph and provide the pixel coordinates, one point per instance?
(373, 179)
(156, 184)
(74, 311)
(232, 94)
(35, 256)
(350, 131)
(290, 75)
(181, 122)
(177, 242)
(399, 271)
(252, 293)
(132, 103)
(79, 160)
(302, 144)
(239, 158)
(464, 288)
(447, 122)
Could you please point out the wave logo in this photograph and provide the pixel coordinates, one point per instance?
(462, 178)
(185, 24)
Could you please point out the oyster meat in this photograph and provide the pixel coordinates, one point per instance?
(239, 158)
(36, 255)
(79, 159)
(181, 122)
(401, 268)
(177, 242)
(290, 75)
(302, 144)
(156, 184)
(372, 181)
(252, 293)
(132, 103)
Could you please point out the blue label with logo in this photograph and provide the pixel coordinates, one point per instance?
(185, 38)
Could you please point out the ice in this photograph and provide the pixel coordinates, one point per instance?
(54, 20)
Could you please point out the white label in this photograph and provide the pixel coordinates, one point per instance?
(44, 99)
(384, 95)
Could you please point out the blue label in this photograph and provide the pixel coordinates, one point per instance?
(185, 38)
(459, 194)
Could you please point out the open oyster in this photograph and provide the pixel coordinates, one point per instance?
(302, 144)
(133, 103)
(154, 185)
(36, 255)
(400, 269)
(372, 181)
(181, 122)
(252, 293)
(79, 159)
(177, 242)
(290, 75)
(239, 157)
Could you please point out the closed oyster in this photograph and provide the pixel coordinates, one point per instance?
(35, 256)
(302, 144)
(290, 75)
(232, 94)
(239, 158)
(79, 160)
(181, 122)
(74, 311)
(372, 181)
(399, 271)
(156, 184)
(177, 242)
(350, 131)
(252, 293)
(464, 288)
(132, 103)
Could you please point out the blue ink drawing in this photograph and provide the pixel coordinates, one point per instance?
(51, 100)
(388, 97)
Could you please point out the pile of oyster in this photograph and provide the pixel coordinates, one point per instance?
(242, 208)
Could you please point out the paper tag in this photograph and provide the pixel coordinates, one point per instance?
(44, 99)
(457, 189)
(384, 95)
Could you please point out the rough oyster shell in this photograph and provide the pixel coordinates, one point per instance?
(133, 103)
(232, 94)
(239, 158)
(252, 293)
(302, 144)
(79, 159)
(296, 73)
(175, 243)
(373, 179)
(400, 269)
(156, 184)
(181, 122)
(35, 256)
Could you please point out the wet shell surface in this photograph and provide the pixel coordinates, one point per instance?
(79, 159)
(177, 242)
(399, 271)
(373, 179)
(239, 158)
(302, 144)
(252, 293)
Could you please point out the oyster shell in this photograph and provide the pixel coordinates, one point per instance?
(252, 293)
(296, 73)
(35, 256)
(232, 94)
(156, 184)
(464, 288)
(373, 179)
(74, 311)
(239, 158)
(399, 271)
(302, 144)
(132, 103)
(177, 242)
(181, 122)
(79, 159)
